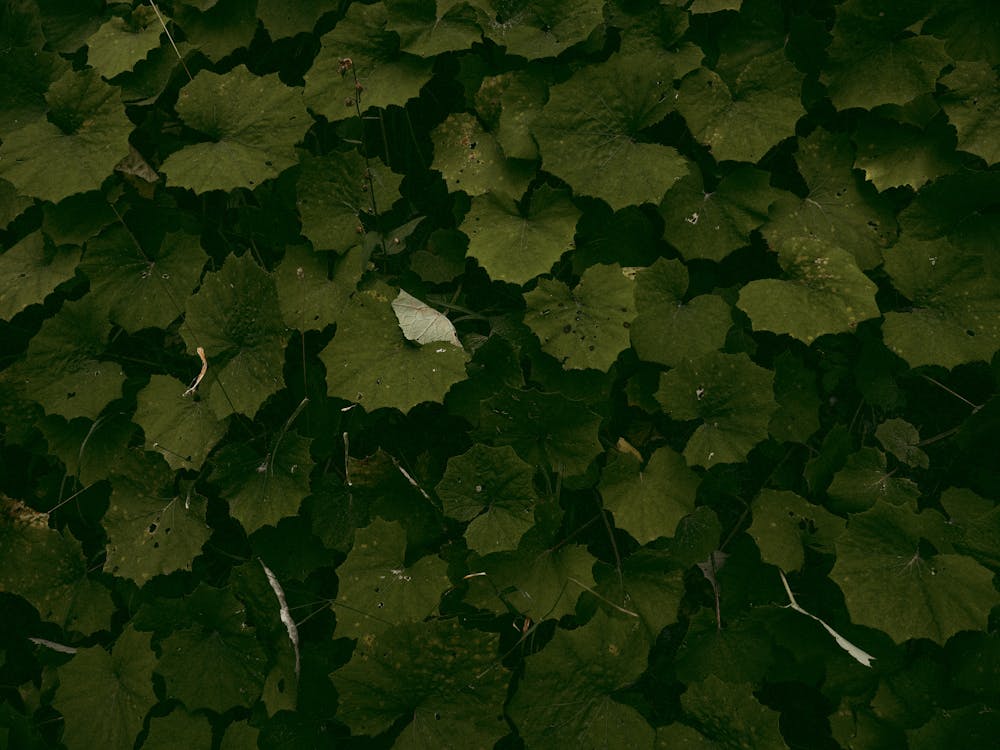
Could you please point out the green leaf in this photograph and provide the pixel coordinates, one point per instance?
(902, 440)
(973, 106)
(104, 697)
(954, 300)
(310, 295)
(582, 669)
(726, 711)
(399, 673)
(492, 489)
(76, 147)
(538, 28)
(471, 160)
(221, 28)
(712, 225)
(872, 60)
(731, 396)
(893, 154)
(92, 450)
(590, 132)
(371, 363)
(378, 589)
(333, 195)
(263, 489)
(430, 27)
(891, 583)
(421, 323)
(978, 520)
(218, 663)
(651, 584)
(284, 19)
(797, 417)
(236, 319)
(519, 96)
(33, 269)
(669, 330)
(864, 479)
(183, 429)
(741, 117)
(587, 326)
(546, 429)
(179, 728)
(840, 207)
(151, 530)
(119, 44)
(141, 287)
(739, 652)
(386, 74)
(515, 245)
(825, 288)
(784, 524)
(250, 123)
(649, 502)
(47, 567)
(62, 370)
(967, 28)
(537, 581)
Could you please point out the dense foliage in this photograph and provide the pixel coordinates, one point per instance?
(499, 373)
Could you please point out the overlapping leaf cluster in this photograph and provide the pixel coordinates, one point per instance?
(467, 373)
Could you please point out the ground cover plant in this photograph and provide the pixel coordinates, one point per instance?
(499, 373)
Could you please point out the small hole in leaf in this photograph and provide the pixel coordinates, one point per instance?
(152, 528)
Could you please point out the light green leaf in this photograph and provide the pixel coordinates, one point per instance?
(431, 27)
(471, 160)
(515, 245)
(283, 19)
(378, 589)
(546, 429)
(492, 489)
(120, 43)
(104, 697)
(261, 490)
(236, 319)
(872, 61)
(891, 583)
(218, 663)
(183, 429)
(784, 524)
(333, 194)
(893, 153)
(177, 729)
(251, 124)
(519, 96)
(731, 396)
(387, 75)
(538, 28)
(669, 330)
(538, 580)
(32, 269)
(589, 133)
(841, 208)
(446, 677)
(11, 204)
(47, 567)
(864, 479)
(313, 287)
(955, 317)
(824, 287)
(142, 287)
(743, 118)
(581, 669)
(728, 710)
(902, 440)
(151, 530)
(973, 107)
(587, 326)
(422, 323)
(648, 502)
(62, 370)
(75, 147)
(370, 362)
(712, 225)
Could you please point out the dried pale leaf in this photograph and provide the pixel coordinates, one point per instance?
(422, 323)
